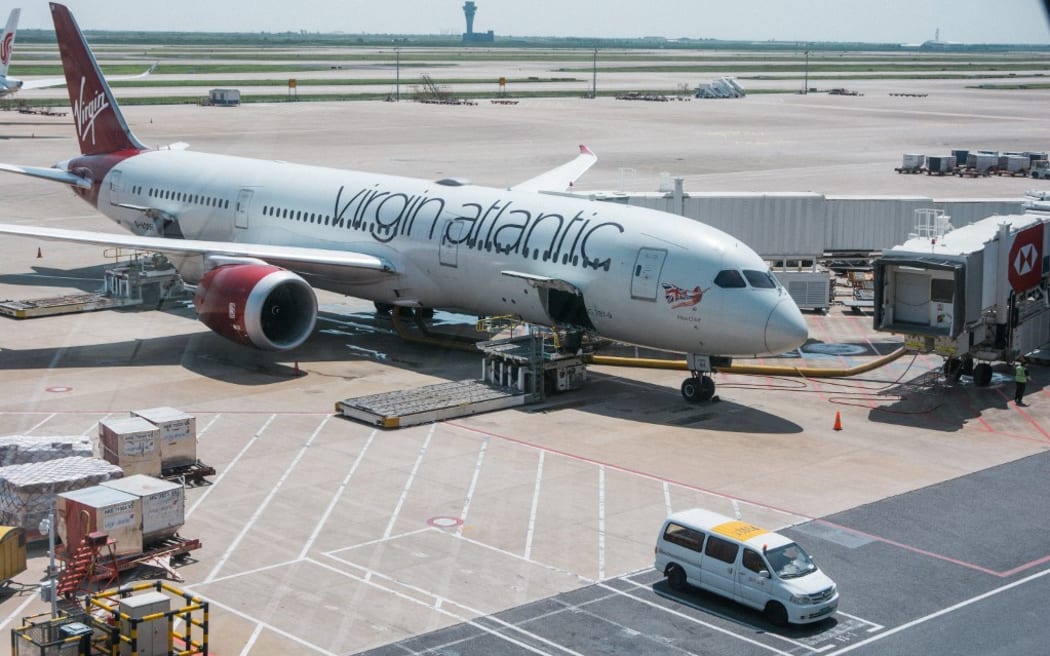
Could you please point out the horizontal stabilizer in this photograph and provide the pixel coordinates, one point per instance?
(562, 177)
(55, 175)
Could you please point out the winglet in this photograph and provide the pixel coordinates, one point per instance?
(562, 177)
(100, 125)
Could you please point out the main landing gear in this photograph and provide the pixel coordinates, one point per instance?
(698, 388)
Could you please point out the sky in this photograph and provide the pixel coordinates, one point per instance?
(875, 21)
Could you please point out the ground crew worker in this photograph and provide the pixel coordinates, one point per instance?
(1020, 381)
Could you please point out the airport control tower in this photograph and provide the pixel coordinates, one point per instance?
(470, 36)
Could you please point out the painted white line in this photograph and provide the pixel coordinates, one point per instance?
(265, 625)
(694, 620)
(439, 606)
(338, 495)
(229, 467)
(380, 540)
(943, 611)
(408, 483)
(251, 640)
(30, 598)
(535, 505)
(667, 499)
(41, 423)
(872, 626)
(266, 502)
(204, 430)
(473, 485)
(93, 428)
(257, 570)
(601, 523)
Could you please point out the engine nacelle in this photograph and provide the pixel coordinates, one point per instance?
(257, 305)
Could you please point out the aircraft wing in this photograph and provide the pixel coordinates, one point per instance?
(562, 177)
(317, 261)
(46, 83)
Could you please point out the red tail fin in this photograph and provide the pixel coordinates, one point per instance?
(101, 127)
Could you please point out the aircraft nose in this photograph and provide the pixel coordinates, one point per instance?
(786, 327)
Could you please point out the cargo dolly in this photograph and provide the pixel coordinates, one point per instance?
(193, 473)
(95, 561)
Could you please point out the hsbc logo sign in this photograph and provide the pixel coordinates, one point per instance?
(1026, 259)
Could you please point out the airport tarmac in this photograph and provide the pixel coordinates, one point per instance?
(531, 530)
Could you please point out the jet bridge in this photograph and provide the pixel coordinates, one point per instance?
(978, 293)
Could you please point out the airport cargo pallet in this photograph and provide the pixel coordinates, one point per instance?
(430, 403)
(43, 307)
(194, 473)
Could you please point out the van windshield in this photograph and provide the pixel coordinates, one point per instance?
(790, 561)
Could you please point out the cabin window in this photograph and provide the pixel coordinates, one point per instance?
(730, 279)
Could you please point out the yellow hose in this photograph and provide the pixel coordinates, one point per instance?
(753, 369)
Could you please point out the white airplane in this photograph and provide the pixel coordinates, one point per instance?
(257, 236)
(9, 85)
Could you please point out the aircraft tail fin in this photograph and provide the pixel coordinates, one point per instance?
(100, 125)
(7, 41)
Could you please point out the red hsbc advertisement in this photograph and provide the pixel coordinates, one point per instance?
(1026, 259)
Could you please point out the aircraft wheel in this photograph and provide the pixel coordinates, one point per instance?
(691, 389)
(982, 375)
(952, 370)
(426, 313)
(697, 389)
(383, 309)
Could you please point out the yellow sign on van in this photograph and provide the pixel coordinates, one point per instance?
(739, 530)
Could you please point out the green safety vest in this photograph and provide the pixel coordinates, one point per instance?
(1020, 375)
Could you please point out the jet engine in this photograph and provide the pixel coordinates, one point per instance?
(258, 305)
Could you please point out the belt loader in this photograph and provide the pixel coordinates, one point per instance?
(974, 295)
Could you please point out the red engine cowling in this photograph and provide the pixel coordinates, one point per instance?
(258, 305)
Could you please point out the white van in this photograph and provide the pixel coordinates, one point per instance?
(745, 563)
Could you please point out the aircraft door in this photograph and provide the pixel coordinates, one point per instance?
(647, 267)
(240, 216)
(114, 187)
(452, 233)
(912, 298)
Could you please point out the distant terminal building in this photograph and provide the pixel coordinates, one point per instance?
(470, 36)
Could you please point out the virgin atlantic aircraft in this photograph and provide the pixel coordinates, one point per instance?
(257, 236)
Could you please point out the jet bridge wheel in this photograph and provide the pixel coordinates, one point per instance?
(697, 389)
(982, 374)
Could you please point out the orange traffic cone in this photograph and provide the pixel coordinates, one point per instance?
(838, 421)
(38, 253)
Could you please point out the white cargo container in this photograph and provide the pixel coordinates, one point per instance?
(131, 443)
(177, 438)
(163, 505)
(97, 508)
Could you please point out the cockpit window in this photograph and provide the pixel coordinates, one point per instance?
(760, 279)
(730, 278)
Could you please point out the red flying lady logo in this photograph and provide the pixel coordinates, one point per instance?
(5, 48)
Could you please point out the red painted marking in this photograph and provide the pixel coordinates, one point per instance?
(445, 522)
(59, 388)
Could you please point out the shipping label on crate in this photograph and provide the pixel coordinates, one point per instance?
(119, 516)
(139, 445)
(177, 429)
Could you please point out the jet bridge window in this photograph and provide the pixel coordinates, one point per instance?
(760, 279)
(942, 290)
(729, 279)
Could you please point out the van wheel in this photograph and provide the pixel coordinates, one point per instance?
(676, 577)
(776, 614)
